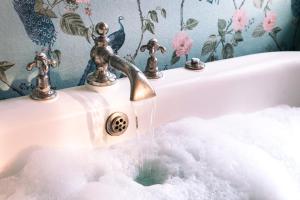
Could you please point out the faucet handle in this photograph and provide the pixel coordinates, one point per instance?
(102, 28)
(151, 70)
(43, 90)
(101, 41)
(153, 46)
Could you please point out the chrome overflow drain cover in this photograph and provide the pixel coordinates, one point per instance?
(195, 64)
(116, 124)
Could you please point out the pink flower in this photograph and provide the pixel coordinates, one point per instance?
(182, 43)
(269, 21)
(239, 20)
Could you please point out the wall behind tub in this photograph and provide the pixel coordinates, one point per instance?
(209, 29)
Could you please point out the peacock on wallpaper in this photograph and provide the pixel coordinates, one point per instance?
(208, 29)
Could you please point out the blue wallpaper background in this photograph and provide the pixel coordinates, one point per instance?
(208, 29)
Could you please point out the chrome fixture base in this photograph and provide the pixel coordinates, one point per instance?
(101, 80)
(194, 64)
(155, 75)
(151, 70)
(42, 90)
(39, 95)
(116, 124)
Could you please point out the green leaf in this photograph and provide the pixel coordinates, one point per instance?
(38, 5)
(212, 57)
(222, 33)
(191, 23)
(238, 36)
(258, 3)
(222, 24)
(3, 76)
(267, 8)
(221, 28)
(276, 30)
(210, 45)
(163, 13)
(153, 15)
(234, 42)
(174, 58)
(228, 51)
(55, 2)
(72, 24)
(149, 26)
(258, 31)
(56, 55)
(39, 9)
(49, 13)
(4, 65)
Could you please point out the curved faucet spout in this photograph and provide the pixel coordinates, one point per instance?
(103, 56)
(140, 87)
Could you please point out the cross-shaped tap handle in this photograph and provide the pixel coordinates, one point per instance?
(153, 46)
(42, 90)
(44, 61)
(151, 70)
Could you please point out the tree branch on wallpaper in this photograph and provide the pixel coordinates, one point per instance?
(268, 25)
(147, 24)
(181, 15)
(142, 28)
(242, 4)
(235, 5)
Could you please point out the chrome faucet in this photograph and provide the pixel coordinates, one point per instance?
(103, 56)
(43, 90)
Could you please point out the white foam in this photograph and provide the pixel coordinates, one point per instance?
(238, 157)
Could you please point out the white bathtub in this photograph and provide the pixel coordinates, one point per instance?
(77, 118)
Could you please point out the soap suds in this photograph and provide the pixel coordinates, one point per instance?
(237, 157)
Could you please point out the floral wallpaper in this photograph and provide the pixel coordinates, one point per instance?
(65, 31)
